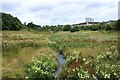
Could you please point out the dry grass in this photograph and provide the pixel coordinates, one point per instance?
(20, 47)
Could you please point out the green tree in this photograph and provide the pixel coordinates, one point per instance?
(74, 29)
(10, 23)
(67, 28)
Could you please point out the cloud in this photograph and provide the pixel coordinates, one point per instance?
(119, 10)
(48, 12)
(10, 6)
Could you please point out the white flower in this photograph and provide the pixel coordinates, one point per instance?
(68, 71)
(77, 69)
(79, 74)
(35, 71)
(107, 76)
(84, 59)
(73, 69)
(26, 77)
(114, 73)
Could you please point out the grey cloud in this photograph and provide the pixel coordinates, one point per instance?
(96, 5)
(41, 7)
(62, 12)
(10, 6)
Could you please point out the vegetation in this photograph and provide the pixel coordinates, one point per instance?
(90, 52)
(13, 23)
(10, 23)
(19, 47)
(108, 65)
(41, 67)
(104, 66)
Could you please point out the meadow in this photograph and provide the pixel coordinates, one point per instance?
(21, 50)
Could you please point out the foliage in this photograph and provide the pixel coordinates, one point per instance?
(67, 28)
(118, 24)
(27, 44)
(13, 23)
(33, 26)
(10, 23)
(75, 56)
(108, 65)
(41, 67)
(56, 44)
(81, 73)
(74, 29)
(75, 68)
(64, 43)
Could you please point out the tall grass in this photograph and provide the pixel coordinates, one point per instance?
(20, 46)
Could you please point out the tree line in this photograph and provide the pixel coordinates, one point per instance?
(13, 23)
(73, 28)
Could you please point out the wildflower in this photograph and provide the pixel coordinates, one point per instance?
(68, 71)
(26, 77)
(73, 69)
(107, 76)
(35, 71)
(77, 69)
(84, 59)
(114, 73)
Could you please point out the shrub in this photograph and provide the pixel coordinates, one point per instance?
(41, 67)
(108, 65)
(67, 28)
(104, 67)
(74, 29)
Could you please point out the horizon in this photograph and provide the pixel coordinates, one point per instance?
(61, 12)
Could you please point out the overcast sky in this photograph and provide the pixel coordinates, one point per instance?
(53, 12)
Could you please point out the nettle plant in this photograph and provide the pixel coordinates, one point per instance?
(41, 67)
(108, 65)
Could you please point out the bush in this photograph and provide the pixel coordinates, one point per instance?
(74, 29)
(67, 28)
(108, 65)
(41, 67)
(103, 67)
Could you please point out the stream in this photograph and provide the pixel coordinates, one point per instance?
(61, 61)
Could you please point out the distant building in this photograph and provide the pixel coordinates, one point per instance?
(87, 23)
(89, 20)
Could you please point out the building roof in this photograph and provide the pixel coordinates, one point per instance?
(84, 23)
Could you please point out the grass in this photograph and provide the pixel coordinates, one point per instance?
(20, 46)
(87, 42)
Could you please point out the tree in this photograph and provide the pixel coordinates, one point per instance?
(10, 23)
(67, 28)
(74, 29)
(116, 25)
(25, 24)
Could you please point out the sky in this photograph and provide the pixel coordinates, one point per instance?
(54, 12)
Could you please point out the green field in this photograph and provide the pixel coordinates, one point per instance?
(19, 47)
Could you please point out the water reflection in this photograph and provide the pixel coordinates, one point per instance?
(61, 61)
